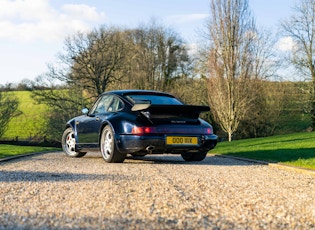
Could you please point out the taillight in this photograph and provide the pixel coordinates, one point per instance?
(165, 130)
(142, 130)
(208, 131)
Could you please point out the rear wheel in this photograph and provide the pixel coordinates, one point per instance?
(68, 144)
(108, 147)
(194, 156)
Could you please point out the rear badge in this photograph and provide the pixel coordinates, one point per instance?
(178, 122)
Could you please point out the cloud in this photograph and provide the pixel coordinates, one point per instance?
(285, 44)
(29, 20)
(82, 11)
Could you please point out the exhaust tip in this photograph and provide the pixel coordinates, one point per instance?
(150, 148)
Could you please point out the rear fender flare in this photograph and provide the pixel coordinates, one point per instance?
(117, 138)
(105, 123)
(101, 130)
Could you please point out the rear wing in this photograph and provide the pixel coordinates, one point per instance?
(192, 111)
(140, 106)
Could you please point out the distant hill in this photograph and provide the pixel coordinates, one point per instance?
(29, 124)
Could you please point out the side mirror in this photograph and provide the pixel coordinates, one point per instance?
(85, 110)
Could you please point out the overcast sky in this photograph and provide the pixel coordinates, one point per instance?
(32, 31)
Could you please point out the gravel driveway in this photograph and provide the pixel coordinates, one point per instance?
(52, 191)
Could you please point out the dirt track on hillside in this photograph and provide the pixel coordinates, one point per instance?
(52, 191)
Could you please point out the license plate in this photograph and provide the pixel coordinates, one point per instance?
(177, 140)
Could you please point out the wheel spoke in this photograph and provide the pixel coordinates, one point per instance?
(108, 144)
(70, 142)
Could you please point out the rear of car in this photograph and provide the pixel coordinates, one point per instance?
(166, 125)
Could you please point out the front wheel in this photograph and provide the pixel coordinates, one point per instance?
(194, 156)
(108, 147)
(68, 144)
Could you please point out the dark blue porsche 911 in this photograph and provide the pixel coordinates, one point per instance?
(139, 122)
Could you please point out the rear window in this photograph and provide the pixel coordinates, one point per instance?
(155, 99)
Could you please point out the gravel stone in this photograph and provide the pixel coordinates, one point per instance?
(52, 191)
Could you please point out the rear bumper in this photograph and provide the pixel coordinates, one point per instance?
(157, 144)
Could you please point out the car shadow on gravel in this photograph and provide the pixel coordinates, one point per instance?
(171, 159)
(42, 176)
(175, 159)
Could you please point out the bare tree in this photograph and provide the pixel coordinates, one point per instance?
(96, 59)
(301, 28)
(231, 88)
(158, 58)
(265, 59)
(89, 62)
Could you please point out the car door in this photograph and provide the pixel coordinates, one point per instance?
(89, 127)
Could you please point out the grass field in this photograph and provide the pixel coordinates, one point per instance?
(293, 149)
(13, 150)
(30, 123)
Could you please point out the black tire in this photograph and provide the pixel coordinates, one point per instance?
(68, 144)
(108, 147)
(194, 156)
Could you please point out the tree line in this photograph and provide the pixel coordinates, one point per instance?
(233, 71)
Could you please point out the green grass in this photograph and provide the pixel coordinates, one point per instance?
(293, 149)
(29, 124)
(13, 150)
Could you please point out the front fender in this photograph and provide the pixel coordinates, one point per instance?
(71, 124)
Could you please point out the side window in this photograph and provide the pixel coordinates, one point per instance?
(115, 105)
(102, 104)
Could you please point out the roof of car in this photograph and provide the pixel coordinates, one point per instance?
(137, 91)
